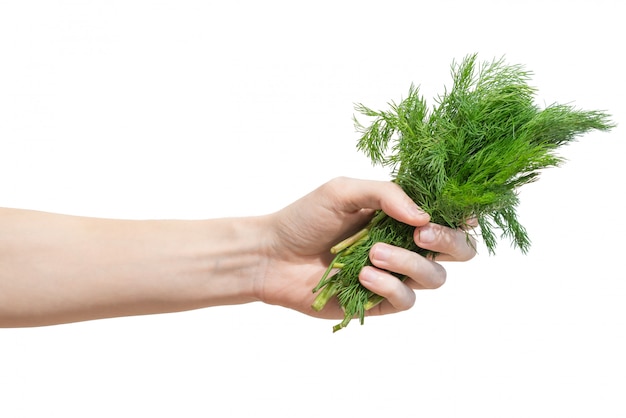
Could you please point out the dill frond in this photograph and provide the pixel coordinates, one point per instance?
(465, 158)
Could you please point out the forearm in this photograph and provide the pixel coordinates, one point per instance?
(57, 268)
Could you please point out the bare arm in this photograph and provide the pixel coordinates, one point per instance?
(57, 268)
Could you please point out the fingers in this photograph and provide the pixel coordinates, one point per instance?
(354, 195)
(450, 244)
(425, 273)
(399, 296)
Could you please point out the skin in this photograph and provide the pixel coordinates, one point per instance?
(57, 268)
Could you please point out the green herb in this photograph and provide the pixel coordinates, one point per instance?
(464, 158)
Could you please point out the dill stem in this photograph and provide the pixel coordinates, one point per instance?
(342, 324)
(373, 301)
(324, 280)
(324, 296)
(376, 219)
(359, 236)
(350, 240)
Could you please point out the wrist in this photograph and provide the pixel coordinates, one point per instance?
(61, 268)
(234, 259)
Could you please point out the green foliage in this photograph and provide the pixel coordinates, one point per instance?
(464, 158)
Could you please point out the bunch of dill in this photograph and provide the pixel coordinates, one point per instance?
(464, 158)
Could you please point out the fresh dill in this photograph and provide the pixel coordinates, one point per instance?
(464, 158)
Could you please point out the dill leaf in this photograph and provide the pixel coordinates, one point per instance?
(465, 158)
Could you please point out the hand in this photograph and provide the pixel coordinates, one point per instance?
(303, 232)
(59, 268)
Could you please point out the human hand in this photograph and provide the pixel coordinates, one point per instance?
(303, 232)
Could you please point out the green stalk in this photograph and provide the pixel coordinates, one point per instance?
(359, 236)
(322, 298)
(324, 280)
(349, 241)
(342, 324)
(344, 248)
(373, 301)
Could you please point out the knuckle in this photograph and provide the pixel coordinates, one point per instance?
(338, 182)
(338, 188)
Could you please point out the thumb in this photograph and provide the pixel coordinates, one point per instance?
(385, 195)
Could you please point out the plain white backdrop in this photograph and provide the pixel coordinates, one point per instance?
(199, 109)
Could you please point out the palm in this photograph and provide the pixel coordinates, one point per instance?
(306, 231)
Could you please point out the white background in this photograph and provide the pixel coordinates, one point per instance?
(198, 109)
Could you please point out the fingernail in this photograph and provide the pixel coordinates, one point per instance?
(417, 211)
(380, 252)
(419, 215)
(369, 275)
(426, 234)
